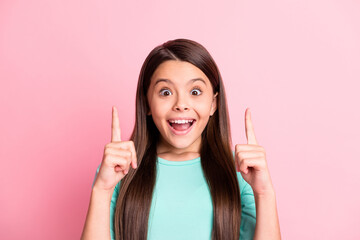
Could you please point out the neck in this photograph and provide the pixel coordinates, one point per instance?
(169, 152)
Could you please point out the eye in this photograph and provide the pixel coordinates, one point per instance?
(165, 90)
(198, 91)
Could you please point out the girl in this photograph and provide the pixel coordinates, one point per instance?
(177, 177)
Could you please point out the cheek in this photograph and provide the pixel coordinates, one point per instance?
(159, 108)
(203, 108)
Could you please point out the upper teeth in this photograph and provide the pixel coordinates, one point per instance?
(181, 121)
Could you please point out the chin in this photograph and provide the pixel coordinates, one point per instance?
(184, 146)
(182, 143)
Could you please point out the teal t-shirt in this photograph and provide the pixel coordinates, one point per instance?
(181, 207)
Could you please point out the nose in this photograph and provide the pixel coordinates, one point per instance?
(181, 108)
(181, 104)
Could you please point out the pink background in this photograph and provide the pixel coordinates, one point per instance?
(63, 64)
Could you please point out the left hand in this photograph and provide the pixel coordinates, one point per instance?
(250, 160)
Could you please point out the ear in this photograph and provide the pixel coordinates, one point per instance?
(148, 108)
(214, 104)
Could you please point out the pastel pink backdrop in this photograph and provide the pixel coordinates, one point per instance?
(63, 64)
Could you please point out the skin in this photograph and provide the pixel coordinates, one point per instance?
(250, 160)
(118, 157)
(180, 97)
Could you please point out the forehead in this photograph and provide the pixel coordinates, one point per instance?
(179, 73)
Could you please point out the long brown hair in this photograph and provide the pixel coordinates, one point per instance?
(136, 188)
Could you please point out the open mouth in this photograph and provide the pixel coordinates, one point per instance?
(181, 125)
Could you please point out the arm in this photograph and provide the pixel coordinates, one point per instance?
(267, 222)
(248, 210)
(118, 156)
(252, 164)
(97, 223)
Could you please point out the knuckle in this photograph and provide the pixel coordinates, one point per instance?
(128, 154)
(128, 157)
(122, 162)
(107, 159)
(247, 161)
(106, 147)
(240, 155)
(107, 151)
(242, 165)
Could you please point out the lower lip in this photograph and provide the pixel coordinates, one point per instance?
(176, 132)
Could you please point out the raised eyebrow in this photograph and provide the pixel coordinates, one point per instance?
(169, 81)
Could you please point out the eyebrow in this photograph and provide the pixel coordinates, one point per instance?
(169, 81)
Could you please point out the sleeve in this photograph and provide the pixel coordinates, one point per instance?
(112, 204)
(248, 209)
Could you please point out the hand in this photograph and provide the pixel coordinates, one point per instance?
(250, 160)
(118, 155)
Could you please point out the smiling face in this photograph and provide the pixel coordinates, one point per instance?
(180, 91)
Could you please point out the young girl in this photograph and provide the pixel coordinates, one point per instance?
(177, 177)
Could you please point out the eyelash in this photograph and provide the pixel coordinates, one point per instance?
(195, 88)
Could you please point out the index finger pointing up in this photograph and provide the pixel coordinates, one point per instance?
(115, 126)
(249, 128)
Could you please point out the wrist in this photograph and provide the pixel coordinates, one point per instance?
(265, 194)
(102, 192)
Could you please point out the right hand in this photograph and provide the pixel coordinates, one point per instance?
(118, 155)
